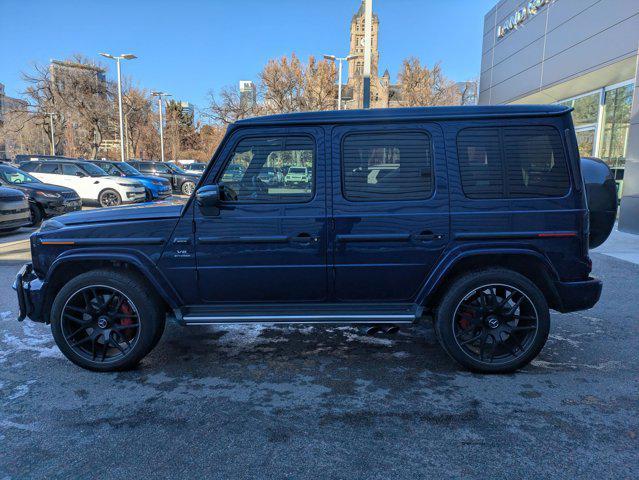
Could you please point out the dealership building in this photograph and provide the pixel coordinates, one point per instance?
(580, 53)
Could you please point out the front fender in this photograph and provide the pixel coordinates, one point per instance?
(143, 264)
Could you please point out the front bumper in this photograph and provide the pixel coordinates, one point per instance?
(29, 289)
(135, 196)
(58, 208)
(161, 193)
(575, 296)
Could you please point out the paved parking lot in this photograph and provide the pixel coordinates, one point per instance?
(309, 402)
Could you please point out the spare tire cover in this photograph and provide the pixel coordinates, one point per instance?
(601, 192)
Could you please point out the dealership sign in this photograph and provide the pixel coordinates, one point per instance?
(520, 16)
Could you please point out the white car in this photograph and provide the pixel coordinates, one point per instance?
(297, 176)
(90, 182)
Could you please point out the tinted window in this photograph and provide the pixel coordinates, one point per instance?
(15, 176)
(387, 166)
(535, 163)
(49, 168)
(109, 168)
(70, 169)
(30, 167)
(144, 167)
(270, 170)
(161, 168)
(480, 162)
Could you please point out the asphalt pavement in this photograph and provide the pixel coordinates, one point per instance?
(312, 402)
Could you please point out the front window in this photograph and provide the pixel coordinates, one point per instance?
(15, 176)
(256, 170)
(175, 168)
(93, 171)
(127, 169)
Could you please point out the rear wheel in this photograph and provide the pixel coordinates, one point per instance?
(105, 320)
(109, 198)
(188, 187)
(494, 321)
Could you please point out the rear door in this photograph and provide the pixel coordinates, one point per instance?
(390, 210)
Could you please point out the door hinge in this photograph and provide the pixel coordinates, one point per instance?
(193, 226)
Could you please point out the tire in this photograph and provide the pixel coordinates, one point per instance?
(470, 319)
(109, 198)
(88, 347)
(37, 215)
(148, 195)
(187, 188)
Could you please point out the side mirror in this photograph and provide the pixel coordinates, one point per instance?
(80, 174)
(208, 196)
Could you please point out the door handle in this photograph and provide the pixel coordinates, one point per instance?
(182, 241)
(304, 238)
(427, 236)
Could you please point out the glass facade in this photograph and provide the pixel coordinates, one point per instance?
(602, 122)
(615, 126)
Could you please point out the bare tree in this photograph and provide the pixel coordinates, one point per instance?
(229, 106)
(320, 90)
(282, 81)
(422, 86)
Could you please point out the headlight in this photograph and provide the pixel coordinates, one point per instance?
(51, 224)
(130, 185)
(47, 194)
(157, 182)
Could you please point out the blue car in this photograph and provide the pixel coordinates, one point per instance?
(157, 188)
(476, 220)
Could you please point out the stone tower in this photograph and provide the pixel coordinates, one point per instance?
(356, 66)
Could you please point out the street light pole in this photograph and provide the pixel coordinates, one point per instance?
(160, 95)
(124, 56)
(339, 61)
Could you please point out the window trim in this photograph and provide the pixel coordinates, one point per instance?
(504, 169)
(218, 175)
(342, 166)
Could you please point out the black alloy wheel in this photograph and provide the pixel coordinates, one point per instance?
(495, 323)
(107, 320)
(100, 324)
(492, 321)
(110, 198)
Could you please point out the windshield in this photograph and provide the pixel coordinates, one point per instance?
(175, 168)
(15, 176)
(126, 168)
(297, 170)
(93, 170)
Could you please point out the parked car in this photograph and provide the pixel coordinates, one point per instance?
(181, 181)
(195, 167)
(271, 176)
(297, 176)
(45, 201)
(156, 188)
(483, 232)
(14, 210)
(92, 183)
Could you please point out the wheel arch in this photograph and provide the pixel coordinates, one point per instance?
(71, 265)
(529, 263)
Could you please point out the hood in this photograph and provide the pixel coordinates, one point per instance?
(128, 180)
(128, 213)
(150, 178)
(43, 187)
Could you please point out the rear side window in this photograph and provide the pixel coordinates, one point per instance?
(387, 166)
(49, 168)
(531, 163)
(536, 164)
(30, 167)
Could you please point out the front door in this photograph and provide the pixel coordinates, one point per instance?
(390, 210)
(267, 242)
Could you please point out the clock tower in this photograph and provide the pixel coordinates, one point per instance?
(356, 66)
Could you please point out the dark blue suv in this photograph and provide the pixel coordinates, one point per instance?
(474, 217)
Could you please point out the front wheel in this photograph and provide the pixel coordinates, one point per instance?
(109, 198)
(495, 321)
(37, 216)
(105, 320)
(188, 188)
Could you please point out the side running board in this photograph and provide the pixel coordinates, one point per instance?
(317, 314)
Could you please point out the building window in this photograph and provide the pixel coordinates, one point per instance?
(615, 125)
(586, 109)
(387, 166)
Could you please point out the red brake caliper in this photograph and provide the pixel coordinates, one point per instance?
(127, 310)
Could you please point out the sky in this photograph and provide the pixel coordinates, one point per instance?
(192, 47)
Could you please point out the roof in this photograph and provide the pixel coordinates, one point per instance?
(407, 114)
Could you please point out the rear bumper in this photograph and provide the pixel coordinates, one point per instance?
(575, 296)
(29, 289)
